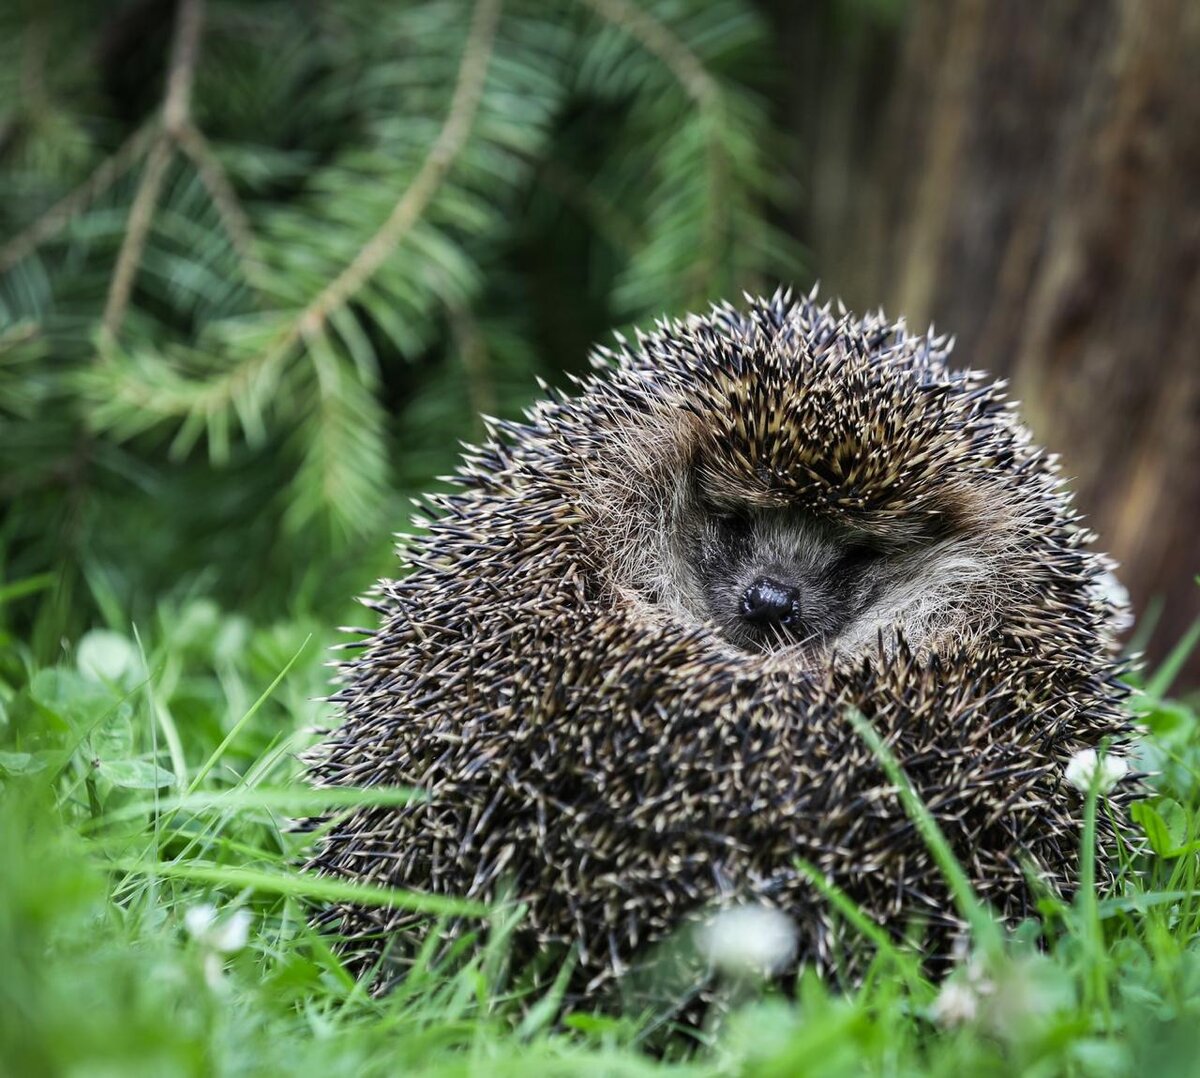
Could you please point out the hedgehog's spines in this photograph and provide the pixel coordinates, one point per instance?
(585, 738)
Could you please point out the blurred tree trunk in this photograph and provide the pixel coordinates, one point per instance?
(1031, 182)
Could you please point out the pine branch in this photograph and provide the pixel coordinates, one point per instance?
(141, 393)
(175, 396)
(689, 71)
(58, 216)
(236, 224)
(656, 38)
(468, 90)
(344, 459)
(343, 475)
(181, 72)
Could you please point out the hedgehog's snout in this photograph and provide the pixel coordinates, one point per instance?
(769, 604)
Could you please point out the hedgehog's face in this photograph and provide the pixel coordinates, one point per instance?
(779, 577)
(775, 577)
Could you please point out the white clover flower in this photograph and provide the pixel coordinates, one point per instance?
(1027, 993)
(103, 655)
(231, 934)
(957, 1003)
(745, 941)
(199, 919)
(1010, 997)
(216, 938)
(1085, 765)
(227, 937)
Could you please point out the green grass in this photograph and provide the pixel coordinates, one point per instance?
(152, 775)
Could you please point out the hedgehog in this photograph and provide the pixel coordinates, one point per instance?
(623, 661)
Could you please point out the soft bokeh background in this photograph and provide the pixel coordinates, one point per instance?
(265, 263)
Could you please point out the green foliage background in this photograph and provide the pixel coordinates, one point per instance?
(222, 366)
(264, 264)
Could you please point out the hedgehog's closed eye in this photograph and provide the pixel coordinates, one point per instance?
(728, 515)
(734, 525)
(852, 563)
(857, 556)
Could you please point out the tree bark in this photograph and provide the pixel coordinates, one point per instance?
(1030, 181)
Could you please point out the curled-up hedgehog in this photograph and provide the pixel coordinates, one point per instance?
(624, 657)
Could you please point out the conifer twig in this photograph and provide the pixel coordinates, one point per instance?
(658, 39)
(181, 72)
(216, 394)
(468, 90)
(689, 71)
(196, 148)
(58, 216)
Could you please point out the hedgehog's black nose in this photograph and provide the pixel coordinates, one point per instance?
(767, 602)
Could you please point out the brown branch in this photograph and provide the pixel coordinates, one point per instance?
(181, 71)
(468, 90)
(196, 148)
